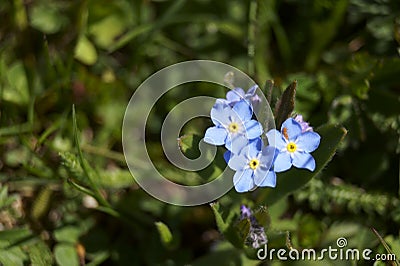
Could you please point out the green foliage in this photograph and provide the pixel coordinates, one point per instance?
(285, 106)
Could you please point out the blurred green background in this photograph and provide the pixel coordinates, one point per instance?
(66, 196)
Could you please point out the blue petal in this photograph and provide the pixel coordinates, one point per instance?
(215, 135)
(293, 128)
(227, 156)
(220, 113)
(243, 110)
(252, 90)
(236, 142)
(253, 129)
(243, 180)
(308, 141)
(235, 95)
(265, 178)
(304, 160)
(237, 162)
(283, 162)
(276, 139)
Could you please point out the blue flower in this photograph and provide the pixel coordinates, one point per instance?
(253, 166)
(294, 146)
(233, 126)
(237, 94)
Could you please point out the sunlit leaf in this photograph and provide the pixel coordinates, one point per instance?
(47, 18)
(285, 106)
(85, 51)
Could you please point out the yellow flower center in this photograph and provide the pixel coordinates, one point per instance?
(254, 163)
(233, 127)
(291, 147)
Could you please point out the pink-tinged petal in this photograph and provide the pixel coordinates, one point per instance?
(243, 110)
(308, 141)
(215, 135)
(283, 162)
(253, 129)
(292, 129)
(275, 139)
(220, 114)
(243, 180)
(304, 160)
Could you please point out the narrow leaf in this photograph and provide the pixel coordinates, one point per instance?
(66, 255)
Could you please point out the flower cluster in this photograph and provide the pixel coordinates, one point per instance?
(256, 164)
(256, 237)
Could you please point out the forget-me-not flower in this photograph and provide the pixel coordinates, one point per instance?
(233, 125)
(253, 166)
(294, 146)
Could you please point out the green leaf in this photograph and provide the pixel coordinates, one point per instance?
(11, 256)
(385, 245)
(85, 51)
(40, 254)
(108, 29)
(285, 105)
(5, 199)
(116, 179)
(293, 179)
(66, 255)
(41, 205)
(234, 231)
(165, 234)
